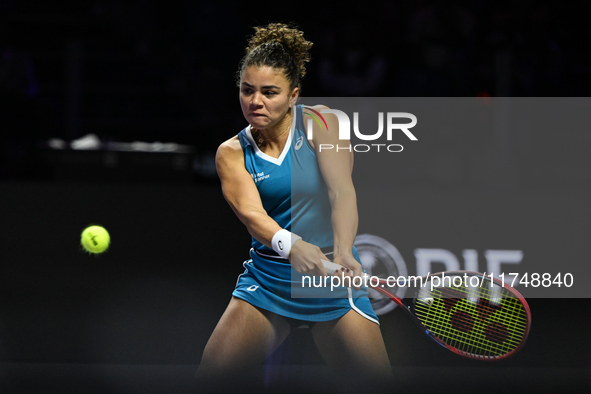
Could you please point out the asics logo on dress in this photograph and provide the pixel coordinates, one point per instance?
(299, 143)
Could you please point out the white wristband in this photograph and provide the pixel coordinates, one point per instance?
(282, 242)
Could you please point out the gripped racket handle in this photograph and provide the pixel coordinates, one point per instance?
(332, 267)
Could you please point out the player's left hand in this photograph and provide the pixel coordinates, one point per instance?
(355, 269)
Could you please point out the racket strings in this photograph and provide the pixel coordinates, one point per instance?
(483, 321)
(462, 337)
(497, 335)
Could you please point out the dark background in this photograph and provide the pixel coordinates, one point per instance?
(136, 318)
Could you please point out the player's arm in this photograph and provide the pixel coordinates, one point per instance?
(336, 166)
(242, 195)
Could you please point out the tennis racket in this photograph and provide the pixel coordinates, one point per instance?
(465, 312)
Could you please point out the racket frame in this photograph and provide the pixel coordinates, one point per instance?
(331, 267)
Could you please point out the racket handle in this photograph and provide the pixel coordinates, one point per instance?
(330, 266)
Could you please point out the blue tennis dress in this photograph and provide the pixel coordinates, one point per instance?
(294, 194)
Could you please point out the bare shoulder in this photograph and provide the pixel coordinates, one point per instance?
(325, 125)
(230, 147)
(316, 108)
(229, 152)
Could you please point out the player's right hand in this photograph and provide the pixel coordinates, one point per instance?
(306, 259)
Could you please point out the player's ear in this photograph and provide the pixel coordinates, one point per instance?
(294, 97)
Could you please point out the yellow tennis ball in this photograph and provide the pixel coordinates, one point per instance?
(95, 239)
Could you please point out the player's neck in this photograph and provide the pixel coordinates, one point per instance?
(274, 137)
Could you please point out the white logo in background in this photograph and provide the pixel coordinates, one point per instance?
(345, 125)
(252, 288)
(381, 258)
(299, 143)
(345, 130)
(425, 257)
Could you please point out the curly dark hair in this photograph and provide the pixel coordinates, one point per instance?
(279, 46)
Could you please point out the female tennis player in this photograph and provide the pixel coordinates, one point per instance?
(299, 205)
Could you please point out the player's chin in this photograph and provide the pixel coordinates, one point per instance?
(258, 121)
